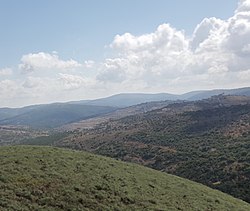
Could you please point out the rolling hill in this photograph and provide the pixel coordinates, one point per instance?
(6, 113)
(129, 99)
(50, 115)
(205, 141)
(199, 95)
(140, 103)
(117, 114)
(55, 115)
(44, 178)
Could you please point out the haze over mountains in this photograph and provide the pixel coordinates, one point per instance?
(128, 99)
(51, 115)
(59, 114)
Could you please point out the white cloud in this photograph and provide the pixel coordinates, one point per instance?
(209, 28)
(243, 6)
(244, 75)
(89, 63)
(34, 82)
(70, 82)
(8, 87)
(32, 62)
(238, 37)
(10, 92)
(152, 55)
(112, 70)
(216, 55)
(216, 49)
(6, 72)
(165, 38)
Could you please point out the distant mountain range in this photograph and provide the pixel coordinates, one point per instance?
(51, 115)
(199, 95)
(59, 114)
(129, 99)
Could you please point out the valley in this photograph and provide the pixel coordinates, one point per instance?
(125, 105)
(206, 141)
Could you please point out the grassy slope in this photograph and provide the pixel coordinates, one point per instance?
(44, 178)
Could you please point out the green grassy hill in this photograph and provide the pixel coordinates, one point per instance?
(44, 178)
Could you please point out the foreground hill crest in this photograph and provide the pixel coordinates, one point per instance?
(47, 178)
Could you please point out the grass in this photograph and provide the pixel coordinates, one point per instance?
(46, 178)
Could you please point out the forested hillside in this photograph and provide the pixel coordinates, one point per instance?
(206, 141)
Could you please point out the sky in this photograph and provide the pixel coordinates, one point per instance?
(61, 50)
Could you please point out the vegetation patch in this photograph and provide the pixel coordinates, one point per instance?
(45, 178)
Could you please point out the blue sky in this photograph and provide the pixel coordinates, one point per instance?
(81, 29)
(58, 50)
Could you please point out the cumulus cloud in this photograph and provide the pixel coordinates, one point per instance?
(70, 82)
(112, 70)
(9, 92)
(151, 56)
(32, 62)
(7, 87)
(215, 55)
(217, 49)
(208, 28)
(243, 6)
(89, 63)
(6, 72)
(34, 82)
(238, 37)
(165, 38)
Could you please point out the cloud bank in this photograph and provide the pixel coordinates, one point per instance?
(216, 55)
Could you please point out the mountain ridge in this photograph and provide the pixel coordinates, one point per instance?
(65, 113)
(52, 115)
(192, 95)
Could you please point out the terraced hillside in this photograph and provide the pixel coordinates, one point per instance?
(45, 178)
